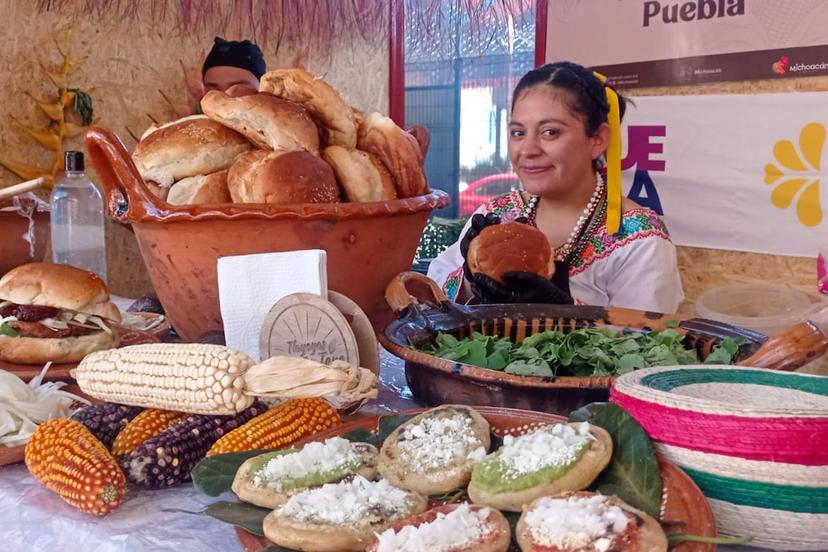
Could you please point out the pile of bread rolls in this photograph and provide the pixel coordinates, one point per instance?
(295, 141)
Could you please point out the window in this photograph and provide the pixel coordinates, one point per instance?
(462, 61)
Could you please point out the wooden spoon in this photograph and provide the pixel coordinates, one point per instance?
(23, 187)
(793, 347)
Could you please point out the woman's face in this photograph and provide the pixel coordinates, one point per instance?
(548, 144)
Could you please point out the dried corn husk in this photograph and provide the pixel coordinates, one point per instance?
(343, 385)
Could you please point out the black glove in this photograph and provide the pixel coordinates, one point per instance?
(478, 223)
(519, 287)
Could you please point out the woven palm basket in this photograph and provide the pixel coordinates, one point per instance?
(755, 442)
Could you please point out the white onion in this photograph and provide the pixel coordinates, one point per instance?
(23, 406)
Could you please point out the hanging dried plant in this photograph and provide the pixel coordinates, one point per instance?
(312, 25)
(270, 23)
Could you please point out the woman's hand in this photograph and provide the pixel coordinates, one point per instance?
(519, 287)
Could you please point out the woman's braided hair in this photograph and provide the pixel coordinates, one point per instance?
(586, 93)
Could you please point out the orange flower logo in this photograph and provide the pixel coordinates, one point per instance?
(779, 67)
(798, 177)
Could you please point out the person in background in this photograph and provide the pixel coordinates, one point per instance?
(609, 251)
(230, 63)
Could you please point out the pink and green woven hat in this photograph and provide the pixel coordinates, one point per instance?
(755, 441)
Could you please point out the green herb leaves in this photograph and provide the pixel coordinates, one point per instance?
(83, 105)
(583, 352)
(7, 330)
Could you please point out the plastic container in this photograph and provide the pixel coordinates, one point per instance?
(765, 308)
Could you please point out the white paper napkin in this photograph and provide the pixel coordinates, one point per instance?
(249, 285)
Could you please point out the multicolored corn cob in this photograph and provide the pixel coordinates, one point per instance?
(106, 420)
(143, 427)
(279, 426)
(168, 458)
(63, 455)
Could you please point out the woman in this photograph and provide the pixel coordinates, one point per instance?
(609, 251)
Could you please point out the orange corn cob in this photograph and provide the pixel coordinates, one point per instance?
(279, 426)
(65, 456)
(143, 427)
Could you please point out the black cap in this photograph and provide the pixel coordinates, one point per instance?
(73, 161)
(242, 54)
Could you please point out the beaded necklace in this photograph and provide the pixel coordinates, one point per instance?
(598, 200)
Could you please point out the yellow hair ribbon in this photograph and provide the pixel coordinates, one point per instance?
(613, 159)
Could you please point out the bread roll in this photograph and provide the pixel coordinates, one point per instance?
(510, 247)
(189, 147)
(267, 121)
(60, 286)
(152, 128)
(361, 175)
(423, 137)
(204, 188)
(239, 90)
(318, 97)
(283, 178)
(398, 150)
(39, 350)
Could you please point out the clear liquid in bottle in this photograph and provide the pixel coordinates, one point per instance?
(77, 219)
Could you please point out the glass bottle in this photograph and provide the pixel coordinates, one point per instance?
(77, 219)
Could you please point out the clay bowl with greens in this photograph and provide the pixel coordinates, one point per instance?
(552, 358)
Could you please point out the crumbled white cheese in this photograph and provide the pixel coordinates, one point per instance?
(576, 522)
(446, 532)
(314, 458)
(477, 455)
(436, 441)
(554, 445)
(348, 502)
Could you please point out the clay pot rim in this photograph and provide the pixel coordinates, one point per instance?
(307, 211)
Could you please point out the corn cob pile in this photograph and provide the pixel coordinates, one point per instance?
(279, 426)
(195, 403)
(63, 455)
(106, 420)
(168, 458)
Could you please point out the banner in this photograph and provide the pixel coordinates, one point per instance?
(742, 172)
(656, 42)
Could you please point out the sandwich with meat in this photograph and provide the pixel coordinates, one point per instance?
(54, 313)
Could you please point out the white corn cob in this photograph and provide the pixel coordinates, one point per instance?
(191, 377)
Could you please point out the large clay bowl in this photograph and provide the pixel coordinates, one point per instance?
(14, 249)
(436, 381)
(366, 243)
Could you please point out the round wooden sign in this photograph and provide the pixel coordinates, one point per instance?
(305, 325)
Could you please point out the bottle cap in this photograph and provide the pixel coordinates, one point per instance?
(73, 161)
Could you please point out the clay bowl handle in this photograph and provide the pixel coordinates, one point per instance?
(793, 347)
(126, 195)
(397, 291)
